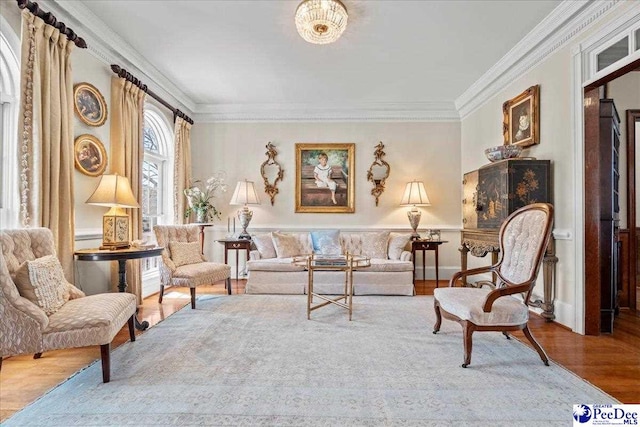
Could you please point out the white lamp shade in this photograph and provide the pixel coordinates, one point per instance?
(415, 195)
(113, 191)
(245, 194)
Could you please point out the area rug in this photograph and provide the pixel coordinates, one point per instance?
(257, 360)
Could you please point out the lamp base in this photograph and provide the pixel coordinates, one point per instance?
(244, 216)
(414, 220)
(115, 229)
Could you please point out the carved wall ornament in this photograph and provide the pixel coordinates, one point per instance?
(271, 172)
(378, 172)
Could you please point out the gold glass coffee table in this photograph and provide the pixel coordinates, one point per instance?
(347, 263)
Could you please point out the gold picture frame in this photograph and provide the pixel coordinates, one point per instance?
(521, 123)
(325, 180)
(89, 104)
(89, 155)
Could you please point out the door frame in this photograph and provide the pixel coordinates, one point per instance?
(633, 116)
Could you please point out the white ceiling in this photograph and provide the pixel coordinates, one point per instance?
(248, 52)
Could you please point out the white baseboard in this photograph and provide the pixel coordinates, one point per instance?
(444, 273)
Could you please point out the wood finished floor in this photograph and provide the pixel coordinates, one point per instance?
(611, 362)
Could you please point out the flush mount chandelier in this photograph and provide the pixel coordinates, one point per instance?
(321, 21)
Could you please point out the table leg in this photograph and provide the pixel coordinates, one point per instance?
(437, 278)
(413, 256)
(423, 265)
(201, 239)
(122, 287)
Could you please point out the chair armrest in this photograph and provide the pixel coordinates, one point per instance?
(500, 292)
(460, 274)
(254, 255)
(405, 256)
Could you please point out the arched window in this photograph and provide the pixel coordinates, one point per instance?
(9, 107)
(157, 181)
(156, 171)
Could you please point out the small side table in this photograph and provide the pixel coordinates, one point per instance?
(237, 245)
(122, 256)
(425, 245)
(202, 225)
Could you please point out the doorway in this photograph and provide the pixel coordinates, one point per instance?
(598, 250)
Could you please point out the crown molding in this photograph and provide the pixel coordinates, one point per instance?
(110, 48)
(559, 27)
(440, 111)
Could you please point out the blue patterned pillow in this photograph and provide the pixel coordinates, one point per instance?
(326, 242)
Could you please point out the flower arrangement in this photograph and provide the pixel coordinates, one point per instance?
(199, 196)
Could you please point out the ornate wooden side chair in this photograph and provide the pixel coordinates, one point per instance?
(523, 237)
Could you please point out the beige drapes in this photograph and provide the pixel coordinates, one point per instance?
(181, 168)
(127, 153)
(46, 135)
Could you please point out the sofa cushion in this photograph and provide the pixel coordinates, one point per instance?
(397, 243)
(184, 253)
(42, 282)
(286, 245)
(386, 265)
(326, 242)
(264, 245)
(374, 245)
(276, 264)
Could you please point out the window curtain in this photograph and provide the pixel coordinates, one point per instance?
(46, 135)
(127, 153)
(181, 168)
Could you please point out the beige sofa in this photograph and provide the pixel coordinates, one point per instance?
(391, 275)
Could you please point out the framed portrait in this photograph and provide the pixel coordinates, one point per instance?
(89, 155)
(325, 180)
(521, 123)
(89, 104)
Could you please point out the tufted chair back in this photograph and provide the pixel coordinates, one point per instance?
(174, 233)
(23, 245)
(351, 243)
(523, 239)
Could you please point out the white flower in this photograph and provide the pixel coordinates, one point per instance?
(199, 199)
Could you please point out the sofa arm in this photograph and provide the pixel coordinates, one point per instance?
(405, 256)
(254, 255)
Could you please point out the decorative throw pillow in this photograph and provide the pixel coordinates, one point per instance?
(42, 282)
(264, 245)
(397, 243)
(374, 245)
(326, 242)
(286, 245)
(183, 253)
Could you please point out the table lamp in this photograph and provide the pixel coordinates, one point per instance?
(415, 195)
(115, 192)
(245, 194)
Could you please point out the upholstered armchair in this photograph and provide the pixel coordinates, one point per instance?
(183, 264)
(80, 321)
(523, 238)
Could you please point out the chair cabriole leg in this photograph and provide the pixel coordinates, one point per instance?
(105, 354)
(37, 355)
(467, 331)
(436, 307)
(534, 343)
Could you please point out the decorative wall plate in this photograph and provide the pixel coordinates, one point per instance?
(89, 104)
(89, 155)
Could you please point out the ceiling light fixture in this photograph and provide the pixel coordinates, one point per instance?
(321, 21)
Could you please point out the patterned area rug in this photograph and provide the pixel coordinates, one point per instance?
(256, 360)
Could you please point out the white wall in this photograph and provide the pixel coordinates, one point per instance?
(426, 151)
(483, 128)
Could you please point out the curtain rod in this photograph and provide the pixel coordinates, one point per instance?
(50, 19)
(121, 72)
